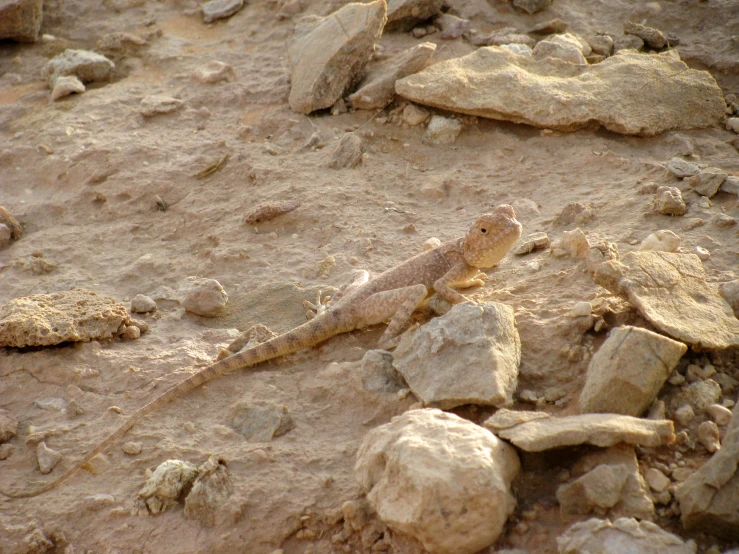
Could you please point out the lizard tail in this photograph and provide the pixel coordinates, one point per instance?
(307, 335)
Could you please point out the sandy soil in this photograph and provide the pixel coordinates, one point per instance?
(83, 175)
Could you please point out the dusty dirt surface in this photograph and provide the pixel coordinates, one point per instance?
(84, 176)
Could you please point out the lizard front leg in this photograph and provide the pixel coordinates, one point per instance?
(460, 275)
(397, 305)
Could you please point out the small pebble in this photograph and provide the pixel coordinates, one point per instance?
(132, 332)
(709, 437)
(720, 414)
(682, 473)
(443, 130)
(47, 458)
(581, 309)
(431, 243)
(6, 451)
(142, 304)
(51, 404)
(73, 391)
(657, 480)
(702, 253)
(131, 448)
(661, 241)
(684, 415)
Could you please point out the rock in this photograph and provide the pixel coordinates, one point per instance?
(131, 448)
(661, 241)
(651, 36)
(502, 37)
(720, 414)
(327, 55)
(20, 20)
(6, 451)
(378, 373)
(261, 421)
(531, 243)
(210, 491)
(549, 49)
(452, 26)
(532, 6)
(598, 429)
(601, 45)
(575, 212)
(731, 185)
(8, 426)
(520, 49)
(440, 479)
(707, 182)
(378, 87)
(348, 152)
(681, 168)
(5, 235)
(620, 536)
(120, 44)
(709, 498)
(670, 291)
(64, 86)
(214, 72)
(732, 124)
(86, 66)
(47, 458)
(403, 15)
(52, 404)
(610, 93)
(581, 309)
(657, 480)
(626, 43)
(443, 130)
(142, 304)
(549, 27)
(47, 319)
(158, 104)
(270, 210)
(702, 253)
(165, 486)
(699, 395)
(204, 297)
(608, 482)
(220, 9)
(635, 363)
(468, 356)
(572, 243)
(684, 415)
(414, 115)
(669, 201)
(708, 436)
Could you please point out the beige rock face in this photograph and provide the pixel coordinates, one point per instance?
(440, 479)
(21, 19)
(403, 15)
(493, 82)
(636, 363)
(598, 429)
(468, 356)
(85, 65)
(709, 498)
(671, 292)
(211, 490)
(328, 54)
(73, 315)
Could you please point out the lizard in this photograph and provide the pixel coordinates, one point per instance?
(393, 295)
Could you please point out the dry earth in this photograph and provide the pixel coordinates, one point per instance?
(83, 176)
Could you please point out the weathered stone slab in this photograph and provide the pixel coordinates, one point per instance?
(598, 429)
(470, 355)
(21, 19)
(327, 55)
(85, 65)
(73, 315)
(629, 93)
(671, 292)
(403, 15)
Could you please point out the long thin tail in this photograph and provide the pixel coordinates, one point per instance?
(308, 334)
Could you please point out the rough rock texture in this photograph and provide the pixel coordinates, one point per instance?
(403, 15)
(8, 426)
(7, 218)
(708, 181)
(636, 363)
(493, 82)
(681, 168)
(21, 19)
(220, 9)
(671, 292)
(159, 104)
(663, 240)
(669, 201)
(261, 421)
(46, 457)
(86, 66)
(709, 498)
(565, 52)
(66, 85)
(652, 37)
(378, 87)
(442, 130)
(598, 429)
(347, 153)
(326, 55)
(165, 486)
(439, 478)
(73, 315)
(204, 297)
(468, 356)
(209, 492)
(621, 536)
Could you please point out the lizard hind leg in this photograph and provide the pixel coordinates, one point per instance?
(397, 305)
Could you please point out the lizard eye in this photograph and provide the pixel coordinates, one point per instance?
(483, 231)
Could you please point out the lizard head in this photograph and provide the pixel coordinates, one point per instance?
(491, 236)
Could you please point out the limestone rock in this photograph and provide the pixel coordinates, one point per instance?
(142, 304)
(663, 240)
(165, 486)
(627, 42)
(626, 373)
(47, 458)
(158, 104)
(442, 130)
(347, 153)
(261, 421)
(530, 243)
(549, 49)
(598, 429)
(620, 536)
(120, 44)
(440, 479)
(731, 185)
(403, 15)
(601, 45)
(86, 66)
(707, 182)
(220, 9)
(327, 55)
(652, 37)
(699, 396)
(493, 82)
(670, 291)
(8, 426)
(682, 168)
(378, 373)
(709, 498)
(66, 85)
(211, 489)
(506, 36)
(214, 72)
(415, 115)
(204, 297)
(468, 356)
(21, 19)
(572, 243)
(669, 201)
(47, 319)
(378, 87)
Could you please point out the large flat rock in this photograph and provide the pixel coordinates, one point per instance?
(630, 93)
(72, 315)
(670, 291)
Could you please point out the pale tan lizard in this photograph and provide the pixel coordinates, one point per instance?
(392, 295)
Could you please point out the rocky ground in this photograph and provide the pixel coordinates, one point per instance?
(263, 151)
